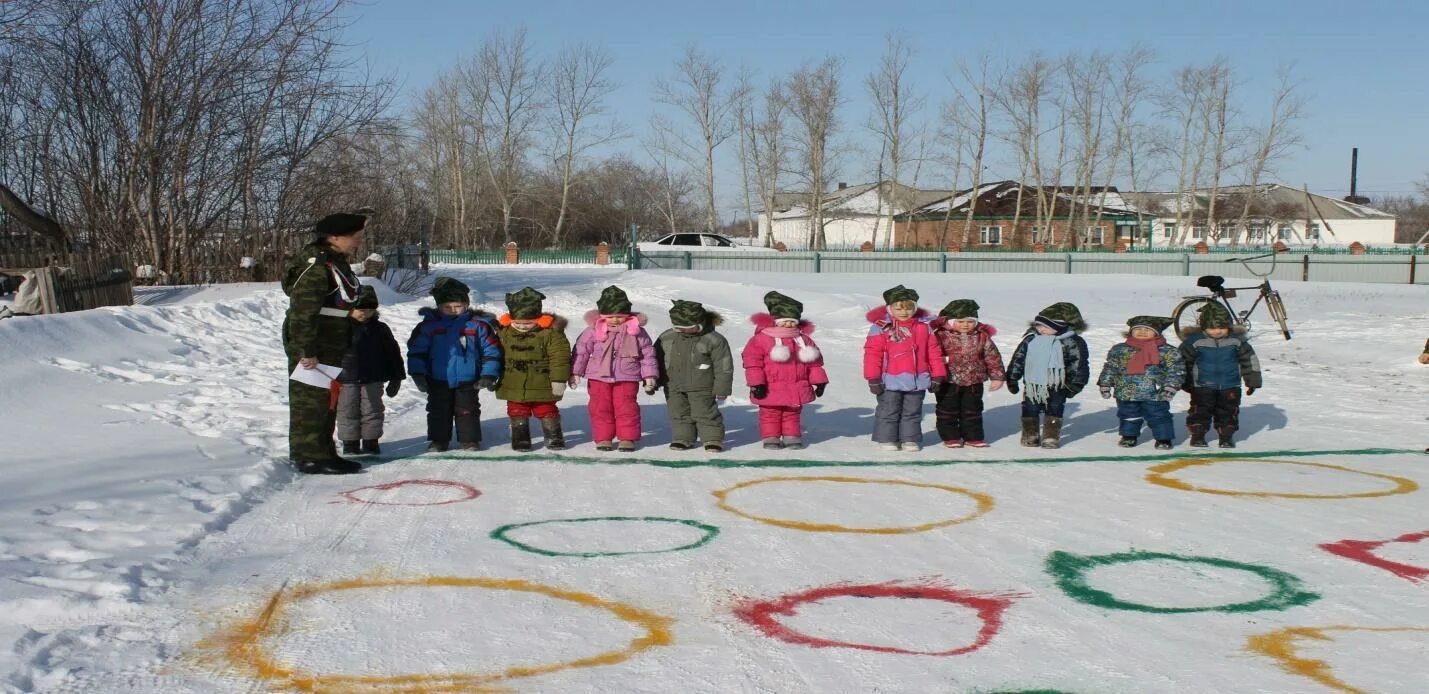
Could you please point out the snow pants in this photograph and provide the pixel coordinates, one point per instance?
(1210, 404)
(694, 413)
(614, 410)
(781, 420)
(524, 410)
(359, 411)
(1130, 415)
(899, 417)
(445, 405)
(959, 413)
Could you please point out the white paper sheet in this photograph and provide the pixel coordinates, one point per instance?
(320, 376)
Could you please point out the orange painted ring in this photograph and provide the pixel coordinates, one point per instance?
(1280, 646)
(985, 503)
(242, 644)
(1160, 475)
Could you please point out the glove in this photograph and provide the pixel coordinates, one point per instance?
(1170, 391)
(819, 389)
(759, 392)
(1249, 391)
(1012, 387)
(875, 387)
(1106, 391)
(558, 388)
(486, 382)
(392, 388)
(575, 382)
(939, 382)
(421, 382)
(650, 386)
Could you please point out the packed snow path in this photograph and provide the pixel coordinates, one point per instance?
(156, 542)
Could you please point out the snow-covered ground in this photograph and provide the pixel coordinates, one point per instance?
(154, 541)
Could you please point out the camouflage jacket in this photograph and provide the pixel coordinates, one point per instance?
(321, 288)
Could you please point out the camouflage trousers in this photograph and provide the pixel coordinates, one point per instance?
(311, 421)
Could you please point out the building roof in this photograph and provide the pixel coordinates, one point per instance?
(1000, 199)
(1271, 199)
(846, 200)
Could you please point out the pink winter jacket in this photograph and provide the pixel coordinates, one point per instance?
(972, 358)
(612, 355)
(904, 356)
(784, 359)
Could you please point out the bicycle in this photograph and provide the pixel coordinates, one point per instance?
(1190, 306)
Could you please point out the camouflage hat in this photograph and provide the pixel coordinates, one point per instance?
(1214, 315)
(1157, 323)
(1064, 312)
(899, 293)
(525, 304)
(687, 314)
(612, 301)
(781, 306)
(340, 224)
(448, 289)
(366, 297)
(959, 308)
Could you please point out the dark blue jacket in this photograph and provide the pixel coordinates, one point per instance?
(1074, 356)
(373, 355)
(456, 349)
(1219, 364)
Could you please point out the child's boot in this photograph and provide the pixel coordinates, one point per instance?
(437, 447)
(1198, 437)
(520, 434)
(1163, 445)
(1029, 432)
(793, 442)
(1127, 442)
(604, 446)
(773, 443)
(551, 429)
(714, 447)
(1227, 437)
(471, 445)
(370, 446)
(351, 448)
(1052, 432)
(626, 447)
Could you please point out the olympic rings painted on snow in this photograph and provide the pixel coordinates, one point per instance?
(1070, 571)
(1280, 646)
(466, 492)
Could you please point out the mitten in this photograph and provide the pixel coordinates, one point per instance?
(486, 382)
(1249, 391)
(650, 386)
(421, 382)
(1012, 387)
(819, 389)
(558, 388)
(392, 388)
(1170, 391)
(759, 392)
(875, 387)
(1106, 391)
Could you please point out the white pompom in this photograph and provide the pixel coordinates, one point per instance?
(808, 354)
(780, 352)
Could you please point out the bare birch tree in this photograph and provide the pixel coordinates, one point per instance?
(814, 101)
(1273, 140)
(512, 78)
(895, 106)
(577, 91)
(697, 92)
(765, 136)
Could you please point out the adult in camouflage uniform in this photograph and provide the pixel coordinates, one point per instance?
(536, 359)
(697, 372)
(322, 289)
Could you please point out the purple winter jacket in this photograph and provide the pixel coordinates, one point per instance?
(619, 354)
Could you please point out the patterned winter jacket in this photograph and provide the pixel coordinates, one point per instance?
(908, 364)
(1219, 364)
(1143, 387)
(632, 355)
(456, 349)
(972, 358)
(789, 364)
(532, 361)
(1074, 356)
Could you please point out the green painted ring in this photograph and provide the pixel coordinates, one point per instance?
(1070, 571)
(503, 534)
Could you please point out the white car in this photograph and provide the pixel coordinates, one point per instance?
(699, 242)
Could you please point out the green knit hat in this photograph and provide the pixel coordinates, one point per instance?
(366, 297)
(959, 308)
(1066, 313)
(525, 304)
(781, 306)
(1157, 323)
(687, 314)
(449, 289)
(899, 293)
(1214, 315)
(612, 301)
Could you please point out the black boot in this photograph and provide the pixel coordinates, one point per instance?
(1198, 438)
(1164, 445)
(555, 438)
(335, 466)
(521, 434)
(1227, 438)
(370, 446)
(1127, 442)
(351, 448)
(1052, 432)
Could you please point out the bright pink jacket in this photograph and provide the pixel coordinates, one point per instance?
(615, 354)
(786, 360)
(909, 363)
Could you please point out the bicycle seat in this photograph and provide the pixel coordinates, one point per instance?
(1215, 283)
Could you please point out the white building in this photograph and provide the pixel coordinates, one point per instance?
(1277, 213)
(852, 215)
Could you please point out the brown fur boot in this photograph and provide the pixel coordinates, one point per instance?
(1029, 432)
(1052, 432)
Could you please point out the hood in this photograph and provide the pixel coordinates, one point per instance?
(1191, 331)
(945, 324)
(546, 321)
(433, 313)
(764, 320)
(879, 315)
(593, 315)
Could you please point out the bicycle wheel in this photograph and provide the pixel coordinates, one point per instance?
(1276, 307)
(1187, 312)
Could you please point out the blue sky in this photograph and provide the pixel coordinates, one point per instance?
(1362, 63)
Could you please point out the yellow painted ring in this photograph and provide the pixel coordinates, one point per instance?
(1280, 645)
(242, 644)
(985, 503)
(1160, 475)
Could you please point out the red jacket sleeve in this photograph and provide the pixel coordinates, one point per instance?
(873, 347)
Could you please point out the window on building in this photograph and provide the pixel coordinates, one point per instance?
(1286, 232)
(1094, 235)
(1168, 230)
(1256, 232)
(1314, 233)
(990, 236)
(1223, 230)
(1198, 231)
(1041, 234)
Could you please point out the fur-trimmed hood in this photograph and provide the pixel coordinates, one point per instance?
(546, 321)
(764, 320)
(593, 315)
(880, 316)
(431, 312)
(946, 325)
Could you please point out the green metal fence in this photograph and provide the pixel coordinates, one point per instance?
(525, 257)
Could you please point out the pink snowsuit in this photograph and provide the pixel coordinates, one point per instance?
(787, 361)
(614, 361)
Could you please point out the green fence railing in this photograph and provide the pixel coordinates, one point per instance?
(579, 256)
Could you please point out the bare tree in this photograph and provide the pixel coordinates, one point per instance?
(696, 91)
(968, 116)
(1129, 89)
(814, 101)
(512, 78)
(1273, 140)
(765, 135)
(1020, 97)
(895, 104)
(578, 88)
(1217, 115)
(1087, 80)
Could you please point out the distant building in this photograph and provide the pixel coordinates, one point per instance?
(1275, 213)
(1006, 215)
(852, 214)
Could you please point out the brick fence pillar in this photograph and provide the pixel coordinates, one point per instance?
(866, 247)
(602, 253)
(1202, 248)
(1039, 247)
(513, 254)
(1357, 248)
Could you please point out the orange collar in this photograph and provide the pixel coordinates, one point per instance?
(545, 321)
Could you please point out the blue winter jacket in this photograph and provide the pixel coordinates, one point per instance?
(1219, 364)
(456, 349)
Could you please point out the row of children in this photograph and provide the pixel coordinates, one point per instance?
(525, 357)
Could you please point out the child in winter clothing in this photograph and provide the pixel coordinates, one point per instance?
(1218, 359)
(901, 362)
(784, 370)
(697, 372)
(453, 352)
(1144, 373)
(1051, 363)
(616, 356)
(536, 363)
(372, 360)
(972, 359)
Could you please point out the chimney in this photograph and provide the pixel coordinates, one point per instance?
(1354, 179)
(842, 185)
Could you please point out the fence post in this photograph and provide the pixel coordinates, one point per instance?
(689, 261)
(513, 254)
(1068, 262)
(602, 253)
(1185, 264)
(1412, 263)
(1305, 268)
(943, 262)
(818, 262)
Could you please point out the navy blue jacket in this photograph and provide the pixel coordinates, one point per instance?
(1074, 356)
(373, 355)
(456, 349)
(1220, 364)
